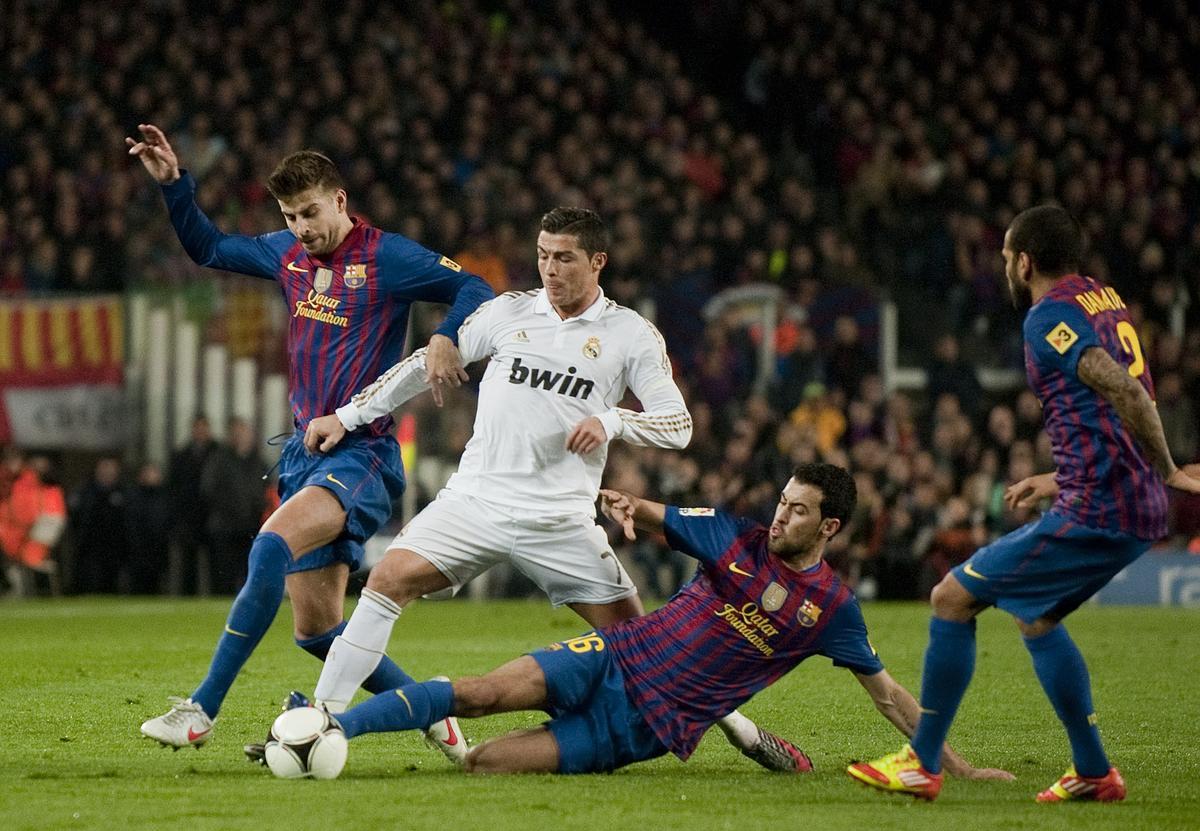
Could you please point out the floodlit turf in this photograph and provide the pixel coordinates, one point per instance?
(77, 677)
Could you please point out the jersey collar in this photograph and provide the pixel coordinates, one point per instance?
(541, 305)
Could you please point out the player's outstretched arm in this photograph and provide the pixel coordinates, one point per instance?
(901, 709)
(631, 512)
(206, 244)
(155, 153)
(1133, 404)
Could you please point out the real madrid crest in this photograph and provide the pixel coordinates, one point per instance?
(324, 280)
(808, 613)
(774, 597)
(591, 349)
(355, 275)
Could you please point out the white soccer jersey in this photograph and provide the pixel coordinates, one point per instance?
(546, 375)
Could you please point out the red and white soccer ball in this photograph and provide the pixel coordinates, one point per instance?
(306, 743)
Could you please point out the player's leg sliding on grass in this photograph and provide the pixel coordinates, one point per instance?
(404, 575)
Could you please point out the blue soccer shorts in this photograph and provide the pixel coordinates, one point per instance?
(365, 474)
(596, 726)
(1046, 569)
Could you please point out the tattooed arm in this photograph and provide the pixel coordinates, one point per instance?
(1129, 398)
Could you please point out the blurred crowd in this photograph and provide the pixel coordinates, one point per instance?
(842, 153)
(136, 531)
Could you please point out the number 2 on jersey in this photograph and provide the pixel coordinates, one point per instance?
(1131, 344)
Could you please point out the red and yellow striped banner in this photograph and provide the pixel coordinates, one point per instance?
(61, 341)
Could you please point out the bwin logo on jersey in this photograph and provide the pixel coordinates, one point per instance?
(563, 383)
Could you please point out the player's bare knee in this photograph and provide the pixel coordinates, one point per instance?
(395, 581)
(1036, 629)
(475, 697)
(950, 601)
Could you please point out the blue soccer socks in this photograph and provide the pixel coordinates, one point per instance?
(412, 707)
(387, 676)
(1064, 676)
(949, 665)
(251, 616)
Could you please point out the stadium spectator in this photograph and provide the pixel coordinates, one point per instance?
(98, 531)
(32, 520)
(231, 484)
(191, 549)
(148, 515)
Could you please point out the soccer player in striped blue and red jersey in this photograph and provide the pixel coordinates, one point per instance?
(763, 600)
(1085, 363)
(348, 288)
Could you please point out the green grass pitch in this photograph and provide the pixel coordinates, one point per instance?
(78, 676)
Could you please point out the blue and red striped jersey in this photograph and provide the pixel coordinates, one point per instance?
(744, 622)
(1104, 478)
(348, 310)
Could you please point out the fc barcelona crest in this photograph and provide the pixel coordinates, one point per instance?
(774, 597)
(323, 280)
(355, 275)
(809, 613)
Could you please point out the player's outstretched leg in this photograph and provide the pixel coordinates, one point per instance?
(1064, 676)
(356, 651)
(190, 721)
(772, 752)
(413, 707)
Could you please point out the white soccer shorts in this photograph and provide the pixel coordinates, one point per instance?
(567, 557)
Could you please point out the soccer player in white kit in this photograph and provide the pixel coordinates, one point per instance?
(562, 358)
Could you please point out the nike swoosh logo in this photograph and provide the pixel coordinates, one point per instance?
(407, 703)
(967, 568)
(293, 267)
(734, 568)
(453, 737)
(193, 735)
(235, 632)
(329, 476)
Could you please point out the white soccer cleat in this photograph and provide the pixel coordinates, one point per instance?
(447, 737)
(184, 724)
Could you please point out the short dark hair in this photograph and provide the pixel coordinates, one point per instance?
(582, 223)
(838, 491)
(1050, 236)
(301, 171)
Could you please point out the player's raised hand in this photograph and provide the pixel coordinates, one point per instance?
(443, 365)
(1186, 478)
(587, 436)
(1030, 491)
(155, 153)
(618, 507)
(324, 433)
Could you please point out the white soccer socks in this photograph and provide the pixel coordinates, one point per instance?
(356, 652)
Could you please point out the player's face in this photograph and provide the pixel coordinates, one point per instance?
(798, 526)
(317, 217)
(1017, 268)
(570, 276)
